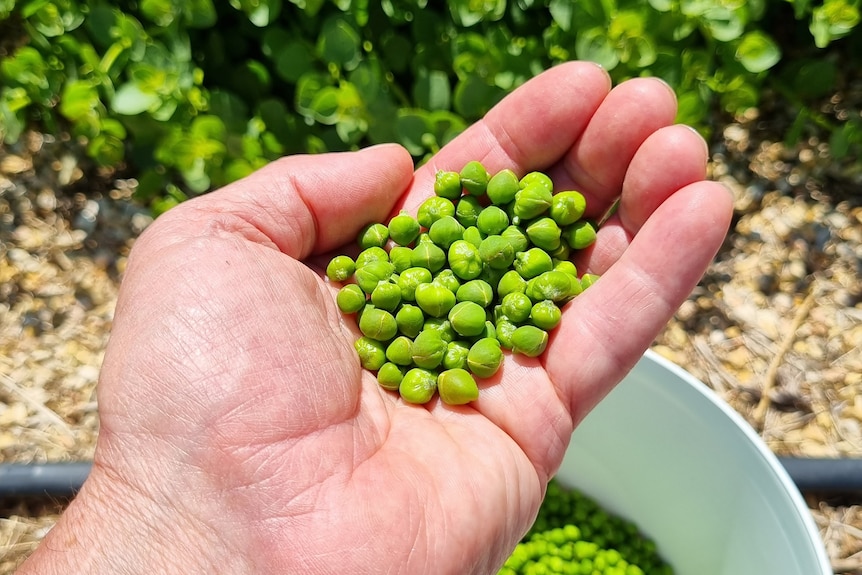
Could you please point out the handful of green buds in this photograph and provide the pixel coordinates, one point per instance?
(483, 267)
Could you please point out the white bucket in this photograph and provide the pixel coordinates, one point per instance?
(665, 452)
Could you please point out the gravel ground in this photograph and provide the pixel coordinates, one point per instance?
(775, 327)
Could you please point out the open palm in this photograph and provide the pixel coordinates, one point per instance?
(238, 428)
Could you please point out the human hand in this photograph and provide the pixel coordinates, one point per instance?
(239, 433)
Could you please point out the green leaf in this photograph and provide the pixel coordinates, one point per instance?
(432, 90)
(325, 105)
(80, 98)
(661, 5)
(594, 45)
(129, 100)
(468, 13)
(411, 126)
(723, 23)
(834, 19)
(199, 13)
(473, 97)
(339, 43)
(562, 11)
(294, 59)
(757, 52)
(161, 12)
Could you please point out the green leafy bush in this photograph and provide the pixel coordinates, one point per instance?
(196, 93)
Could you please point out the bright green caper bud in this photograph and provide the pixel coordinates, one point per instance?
(533, 262)
(473, 235)
(505, 329)
(511, 282)
(400, 350)
(587, 280)
(502, 187)
(435, 300)
(410, 320)
(485, 357)
(554, 285)
(532, 201)
(418, 386)
(447, 184)
(404, 229)
(410, 278)
(377, 324)
(545, 234)
(428, 349)
(340, 268)
(492, 220)
(467, 318)
(580, 235)
(401, 257)
(474, 178)
(568, 207)
(445, 231)
(447, 279)
(457, 387)
(497, 252)
(540, 178)
(489, 330)
(442, 326)
(373, 235)
(566, 266)
(491, 275)
(456, 355)
(546, 315)
(372, 273)
(427, 254)
(386, 296)
(433, 209)
(477, 291)
(467, 211)
(465, 260)
(372, 254)
(516, 306)
(563, 251)
(529, 340)
(516, 236)
(389, 376)
(350, 298)
(372, 354)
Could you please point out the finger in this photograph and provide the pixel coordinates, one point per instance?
(304, 204)
(599, 160)
(606, 329)
(531, 128)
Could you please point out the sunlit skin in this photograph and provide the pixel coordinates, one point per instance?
(239, 433)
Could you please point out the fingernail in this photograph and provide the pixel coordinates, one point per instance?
(667, 85)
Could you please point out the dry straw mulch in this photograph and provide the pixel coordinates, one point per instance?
(775, 327)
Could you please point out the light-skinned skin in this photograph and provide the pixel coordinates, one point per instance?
(239, 433)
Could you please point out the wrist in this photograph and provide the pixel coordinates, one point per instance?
(111, 527)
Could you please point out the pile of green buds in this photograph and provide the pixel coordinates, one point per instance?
(483, 267)
(573, 535)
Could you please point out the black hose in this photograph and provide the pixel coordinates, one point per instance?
(40, 479)
(811, 475)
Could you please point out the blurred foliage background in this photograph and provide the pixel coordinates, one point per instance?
(191, 94)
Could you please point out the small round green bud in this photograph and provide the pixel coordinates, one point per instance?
(389, 376)
(474, 178)
(350, 298)
(372, 254)
(401, 257)
(467, 211)
(516, 236)
(410, 279)
(533, 262)
(505, 329)
(545, 234)
(372, 273)
(566, 266)
(477, 291)
(447, 279)
(554, 285)
(473, 235)
(428, 349)
(502, 187)
(435, 300)
(378, 324)
(496, 252)
(372, 354)
(456, 355)
(532, 201)
(580, 235)
(386, 296)
(457, 387)
(340, 268)
(418, 386)
(445, 231)
(516, 306)
(400, 350)
(546, 315)
(373, 235)
(428, 255)
(433, 209)
(467, 318)
(529, 340)
(587, 280)
(410, 320)
(447, 185)
(404, 229)
(492, 220)
(465, 260)
(442, 326)
(568, 207)
(485, 357)
(511, 282)
(537, 178)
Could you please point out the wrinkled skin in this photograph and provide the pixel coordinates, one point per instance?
(239, 434)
